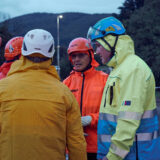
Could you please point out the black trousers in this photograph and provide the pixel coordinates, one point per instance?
(92, 156)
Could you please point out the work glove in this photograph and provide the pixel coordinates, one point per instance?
(85, 134)
(86, 120)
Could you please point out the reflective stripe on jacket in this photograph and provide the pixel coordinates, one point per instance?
(39, 116)
(88, 88)
(128, 123)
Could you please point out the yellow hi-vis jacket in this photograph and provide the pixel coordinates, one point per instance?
(39, 116)
(128, 123)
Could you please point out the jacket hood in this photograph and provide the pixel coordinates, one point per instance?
(23, 65)
(94, 63)
(124, 47)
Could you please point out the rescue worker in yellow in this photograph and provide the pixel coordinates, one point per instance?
(39, 116)
(128, 123)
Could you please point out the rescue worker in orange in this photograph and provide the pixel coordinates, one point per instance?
(12, 53)
(87, 85)
(39, 116)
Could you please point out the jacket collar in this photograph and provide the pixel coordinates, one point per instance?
(23, 65)
(86, 73)
(124, 48)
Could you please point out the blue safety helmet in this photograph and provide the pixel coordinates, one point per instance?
(109, 25)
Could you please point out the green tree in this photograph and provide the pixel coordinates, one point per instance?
(129, 6)
(143, 26)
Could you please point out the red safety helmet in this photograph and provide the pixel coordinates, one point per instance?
(82, 45)
(13, 48)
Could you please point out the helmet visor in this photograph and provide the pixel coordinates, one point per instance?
(90, 32)
(94, 33)
(94, 45)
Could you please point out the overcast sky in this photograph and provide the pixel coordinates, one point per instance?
(20, 7)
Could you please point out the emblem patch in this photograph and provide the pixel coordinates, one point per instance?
(126, 103)
(110, 28)
(11, 49)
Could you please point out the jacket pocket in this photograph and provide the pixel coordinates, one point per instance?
(112, 94)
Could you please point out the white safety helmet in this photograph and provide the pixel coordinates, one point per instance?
(38, 41)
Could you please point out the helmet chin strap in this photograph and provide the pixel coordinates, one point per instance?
(114, 46)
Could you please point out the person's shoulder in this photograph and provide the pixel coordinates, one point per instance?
(63, 85)
(66, 91)
(69, 78)
(5, 83)
(101, 73)
(138, 62)
(135, 64)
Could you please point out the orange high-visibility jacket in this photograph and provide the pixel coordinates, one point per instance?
(88, 88)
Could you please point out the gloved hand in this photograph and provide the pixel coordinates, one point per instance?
(85, 134)
(86, 120)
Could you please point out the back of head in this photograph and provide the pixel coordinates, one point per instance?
(81, 45)
(13, 48)
(38, 42)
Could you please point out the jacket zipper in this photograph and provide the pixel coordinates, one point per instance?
(137, 147)
(111, 93)
(82, 92)
(105, 96)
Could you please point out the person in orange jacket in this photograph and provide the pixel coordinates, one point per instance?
(87, 85)
(12, 53)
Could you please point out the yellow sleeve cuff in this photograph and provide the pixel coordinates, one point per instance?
(112, 156)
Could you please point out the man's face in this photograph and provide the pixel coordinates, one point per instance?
(105, 55)
(80, 61)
